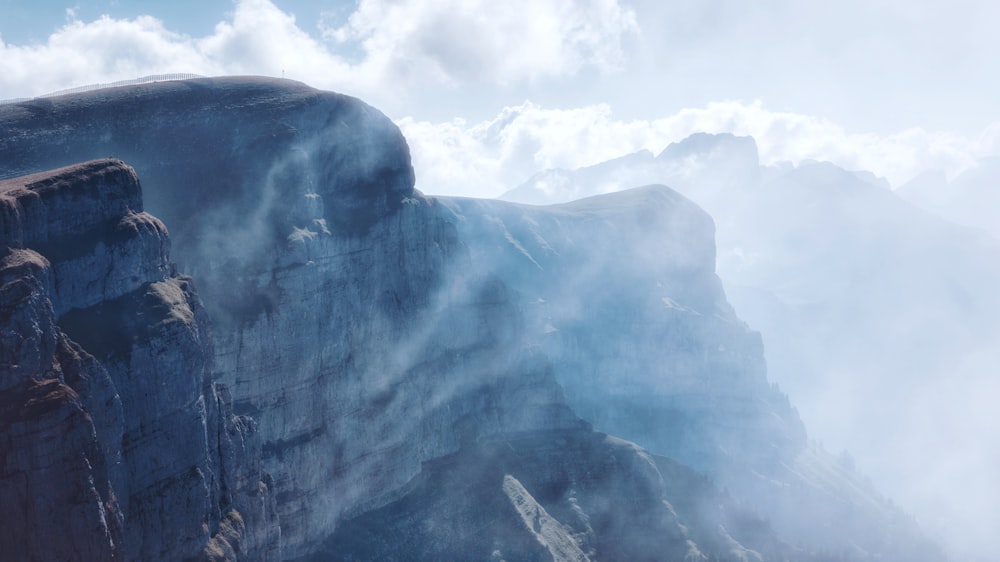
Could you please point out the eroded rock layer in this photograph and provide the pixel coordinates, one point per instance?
(117, 443)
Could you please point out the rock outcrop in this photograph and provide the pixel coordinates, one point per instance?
(54, 476)
(117, 443)
(562, 496)
(621, 292)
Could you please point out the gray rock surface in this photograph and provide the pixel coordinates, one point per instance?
(117, 443)
(560, 496)
(55, 486)
(620, 290)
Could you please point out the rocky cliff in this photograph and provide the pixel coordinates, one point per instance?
(621, 291)
(879, 319)
(396, 362)
(348, 323)
(116, 443)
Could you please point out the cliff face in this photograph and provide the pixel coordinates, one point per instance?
(871, 310)
(561, 496)
(393, 360)
(620, 290)
(379, 355)
(54, 481)
(117, 443)
(348, 321)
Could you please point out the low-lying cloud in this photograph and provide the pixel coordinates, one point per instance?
(401, 56)
(486, 158)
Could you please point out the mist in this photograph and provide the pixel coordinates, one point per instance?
(837, 169)
(879, 318)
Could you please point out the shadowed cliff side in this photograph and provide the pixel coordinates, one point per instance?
(116, 442)
(347, 320)
(228, 163)
(877, 317)
(560, 496)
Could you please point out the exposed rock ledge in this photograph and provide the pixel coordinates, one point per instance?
(116, 442)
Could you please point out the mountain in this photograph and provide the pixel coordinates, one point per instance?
(365, 372)
(620, 291)
(878, 318)
(117, 444)
(970, 199)
(705, 167)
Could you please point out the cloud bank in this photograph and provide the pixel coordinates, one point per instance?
(453, 41)
(382, 50)
(404, 56)
(486, 158)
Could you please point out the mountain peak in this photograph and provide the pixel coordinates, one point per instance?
(705, 144)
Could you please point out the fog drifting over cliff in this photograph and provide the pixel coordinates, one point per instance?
(877, 307)
(879, 318)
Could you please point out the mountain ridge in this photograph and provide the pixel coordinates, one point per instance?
(362, 335)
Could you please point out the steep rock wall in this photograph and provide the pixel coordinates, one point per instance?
(357, 322)
(621, 292)
(55, 485)
(348, 322)
(117, 443)
(559, 496)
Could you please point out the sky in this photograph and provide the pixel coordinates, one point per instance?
(490, 92)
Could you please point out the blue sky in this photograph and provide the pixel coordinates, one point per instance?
(489, 92)
(26, 21)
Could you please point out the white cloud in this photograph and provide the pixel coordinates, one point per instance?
(403, 44)
(404, 50)
(501, 153)
(482, 40)
(99, 51)
(487, 158)
(259, 39)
